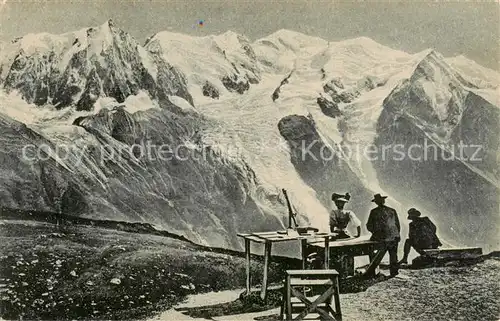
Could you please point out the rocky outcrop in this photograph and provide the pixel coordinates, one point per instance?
(320, 165)
(209, 90)
(298, 128)
(117, 123)
(232, 83)
(340, 96)
(276, 93)
(328, 108)
(308, 151)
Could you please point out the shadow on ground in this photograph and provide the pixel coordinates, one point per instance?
(248, 304)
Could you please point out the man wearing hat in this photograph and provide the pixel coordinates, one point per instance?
(383, 223)
(421, 235)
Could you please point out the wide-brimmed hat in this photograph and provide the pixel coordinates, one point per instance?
(378, 197)
(413, 212)
(341, 197)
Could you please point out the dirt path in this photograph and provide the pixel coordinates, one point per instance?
(207, 299)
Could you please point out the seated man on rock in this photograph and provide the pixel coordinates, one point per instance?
(422, 235)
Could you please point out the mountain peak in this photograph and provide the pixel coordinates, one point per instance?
(427, 55)
(283, 31)
(35, 42)
(291, 40)
(370, 46)
(230, 33)
(362, 41)
(287, 33)
(44, 41)
(479, 75)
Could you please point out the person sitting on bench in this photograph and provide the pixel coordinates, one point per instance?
(421, 236)
(340, 218)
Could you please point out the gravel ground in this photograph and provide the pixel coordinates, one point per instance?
(440, 294)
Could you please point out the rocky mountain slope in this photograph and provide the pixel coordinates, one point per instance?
(244, 112)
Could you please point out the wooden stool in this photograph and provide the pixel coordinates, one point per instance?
(294, 299)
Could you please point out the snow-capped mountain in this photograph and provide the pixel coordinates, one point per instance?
(475, 73)
(79, 67)
(213, 64)
(252, 107)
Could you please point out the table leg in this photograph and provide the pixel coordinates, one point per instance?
(338, 311)
(303, 244)
(247, 255)
(288, 299)
(267, 258)
(327, 252)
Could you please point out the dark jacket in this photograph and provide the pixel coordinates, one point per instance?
(422, 234)
(383, 223)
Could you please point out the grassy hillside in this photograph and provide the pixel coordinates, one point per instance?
(83, 272)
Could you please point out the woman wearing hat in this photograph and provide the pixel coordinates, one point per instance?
(342, 219)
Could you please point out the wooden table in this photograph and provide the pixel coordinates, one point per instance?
(268, 238)
(355, 247)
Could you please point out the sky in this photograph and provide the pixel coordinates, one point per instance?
(453, 28)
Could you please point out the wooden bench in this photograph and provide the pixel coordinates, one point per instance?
(454, 253)
(296, 302)
(351, 247)
(438, 257)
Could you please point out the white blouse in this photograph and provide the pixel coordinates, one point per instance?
(353, 219)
